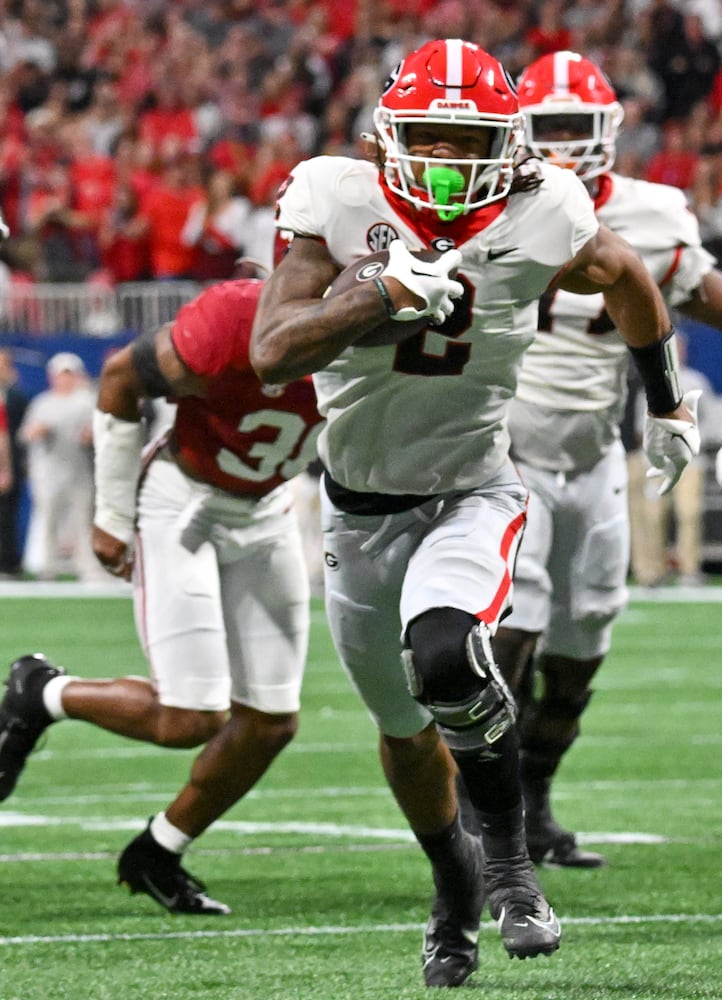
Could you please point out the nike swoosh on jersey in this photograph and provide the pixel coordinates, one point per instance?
(494, 254)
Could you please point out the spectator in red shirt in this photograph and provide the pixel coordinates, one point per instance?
(123, 238)
(276, 157)
(165, 210)
(549, 34)
(675, 163)
(169, 125)
(216, 228)
(92, 176)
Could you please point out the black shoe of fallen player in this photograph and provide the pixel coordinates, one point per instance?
(145, 866)
(23, 717)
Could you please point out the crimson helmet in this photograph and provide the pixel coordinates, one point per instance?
(449, 82)
(564, 93)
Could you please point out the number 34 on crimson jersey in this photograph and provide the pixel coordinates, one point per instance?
(241, 436)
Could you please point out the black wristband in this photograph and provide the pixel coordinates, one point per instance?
(145, 362)
(658, 368)
(387, 300)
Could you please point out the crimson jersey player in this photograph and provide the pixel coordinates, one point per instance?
(207, 533)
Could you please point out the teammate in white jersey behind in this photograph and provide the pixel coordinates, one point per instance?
(569, 581)
(209, 534)
(423, 510)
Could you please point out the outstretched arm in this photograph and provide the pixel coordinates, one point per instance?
(148, 367)
(608, 264)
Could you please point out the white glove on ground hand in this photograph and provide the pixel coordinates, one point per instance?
(670, 444)
(430, 280)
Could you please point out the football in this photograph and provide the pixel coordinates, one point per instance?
(390, 331)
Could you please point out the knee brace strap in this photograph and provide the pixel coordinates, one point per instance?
(482, 662)
(481, 718)
(471, 725)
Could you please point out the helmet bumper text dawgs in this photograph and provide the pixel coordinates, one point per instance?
(449, 82)
(566, 86)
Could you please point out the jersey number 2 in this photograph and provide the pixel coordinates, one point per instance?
(411, 358)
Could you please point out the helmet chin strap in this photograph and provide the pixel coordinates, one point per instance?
(444, 182)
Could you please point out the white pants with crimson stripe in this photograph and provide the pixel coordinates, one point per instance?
(221, 594)
(383, 571)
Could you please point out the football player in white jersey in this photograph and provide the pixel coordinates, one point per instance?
(569, 582)
(422, 509)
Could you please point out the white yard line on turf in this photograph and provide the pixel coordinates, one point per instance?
(487, 925)
(400, 835)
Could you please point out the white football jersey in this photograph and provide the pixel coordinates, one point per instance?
(573, 379)
(578, 361)
(429, 415)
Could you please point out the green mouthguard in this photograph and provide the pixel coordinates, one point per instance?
(445, 181)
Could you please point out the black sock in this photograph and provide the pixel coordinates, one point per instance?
(450, 857)
(493, 783)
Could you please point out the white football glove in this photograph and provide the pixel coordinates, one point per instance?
(670, 444)
(430, 280)
(718, 468)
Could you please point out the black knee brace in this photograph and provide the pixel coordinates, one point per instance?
(450, 669)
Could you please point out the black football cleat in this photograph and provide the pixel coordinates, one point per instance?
(526, 922)
(551, 845)
(145, 866)
(23, 716)
(450, 951)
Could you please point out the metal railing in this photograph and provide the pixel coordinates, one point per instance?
(90, 309)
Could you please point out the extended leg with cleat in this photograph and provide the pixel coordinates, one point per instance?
(478, 727)
(145, 866)
(23, 716)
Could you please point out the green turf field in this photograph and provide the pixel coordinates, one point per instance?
(329, 894)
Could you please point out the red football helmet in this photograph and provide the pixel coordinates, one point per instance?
(449, 82)
(571, 113)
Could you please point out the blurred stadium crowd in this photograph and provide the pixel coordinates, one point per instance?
(146, 139)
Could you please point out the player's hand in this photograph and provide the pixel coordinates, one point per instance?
(112, 554)
(671, 444)
(718, 468)
(429, 281)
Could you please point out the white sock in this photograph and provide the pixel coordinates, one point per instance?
(169, 836)
(53, 695)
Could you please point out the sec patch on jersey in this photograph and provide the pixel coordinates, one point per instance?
(390, 331)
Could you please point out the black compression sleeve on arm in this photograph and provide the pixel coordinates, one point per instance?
(658, 367)
(145, 362)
